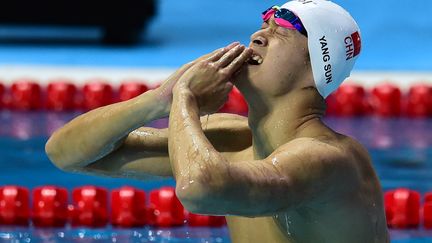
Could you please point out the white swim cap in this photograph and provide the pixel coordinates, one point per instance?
(333, 40)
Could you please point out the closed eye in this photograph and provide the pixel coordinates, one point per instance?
(283, 31)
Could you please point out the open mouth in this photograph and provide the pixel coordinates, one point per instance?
(255, 59)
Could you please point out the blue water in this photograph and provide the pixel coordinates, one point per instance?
(401, 150)
(105, 235)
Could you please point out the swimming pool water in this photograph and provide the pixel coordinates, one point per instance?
(401, 150)
(108, 234)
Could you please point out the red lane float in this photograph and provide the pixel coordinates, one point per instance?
(402, 207)
(90, 206)
(97, 93)
(427, 211)
(14, 205)
(131, 88)
(347, 100)
(50, 206)
(419, 101)
(25, 94)
(128, 207)
(198, 220)
(235, 104)
(2, 96)
(386, 100)
(165, 208)
(61, 95)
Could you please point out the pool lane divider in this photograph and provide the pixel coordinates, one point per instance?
(405, 209)
(64, 95)
(350, 100)
(94, 207)
(129, 207)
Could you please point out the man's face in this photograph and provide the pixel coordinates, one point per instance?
(280, 58)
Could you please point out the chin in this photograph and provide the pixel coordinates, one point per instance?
(244, 76)
(245, 81)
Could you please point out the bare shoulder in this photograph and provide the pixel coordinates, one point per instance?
(336, 146)
(335, 157)
(361, 161)
(312, 149)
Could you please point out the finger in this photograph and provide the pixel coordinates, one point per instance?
(227, 89)
(239, 61)
(217, 54)
(209, 55)
(185, 67)
(233, 45)
(228, 86)
(229, 56)
(179, 72)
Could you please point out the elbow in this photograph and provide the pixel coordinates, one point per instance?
(193, 198)
(53, 150)
(199, 196)
(201, 199)
(52, 153)
(55, 156)
(203, 188)
(227, 196)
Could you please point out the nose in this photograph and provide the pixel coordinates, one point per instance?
(259, 40)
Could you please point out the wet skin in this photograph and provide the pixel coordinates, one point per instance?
(282, 174)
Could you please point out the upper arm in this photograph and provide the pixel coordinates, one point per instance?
(227, 132)
(140, 155)
(294, 174)
(144, 152)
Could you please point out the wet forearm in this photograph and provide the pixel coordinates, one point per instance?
(96, 133)
(192, 155)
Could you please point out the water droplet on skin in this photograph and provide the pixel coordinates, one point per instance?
(191, 181)
(207, 121)
(275, 161)
(287, 223)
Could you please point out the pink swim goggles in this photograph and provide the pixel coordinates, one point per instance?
(284, 18)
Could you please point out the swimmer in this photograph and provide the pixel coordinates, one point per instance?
(280, 175)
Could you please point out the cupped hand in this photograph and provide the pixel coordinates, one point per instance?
(209, 78)
(165, 89)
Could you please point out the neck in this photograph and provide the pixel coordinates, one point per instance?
(279, 120)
